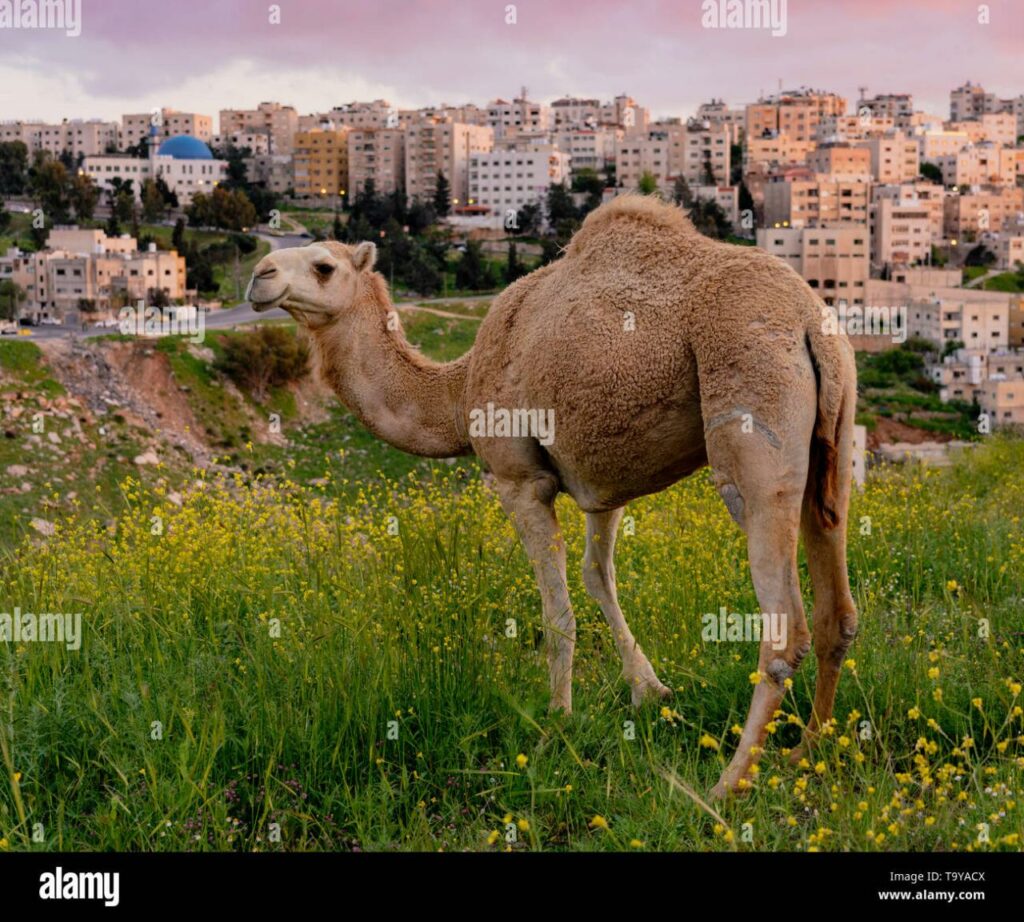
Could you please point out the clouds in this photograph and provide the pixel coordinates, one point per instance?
(197, 54)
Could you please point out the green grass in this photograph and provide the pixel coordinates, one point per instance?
(311, 668)
(17, 232)
(278, 656)
(1010, 282)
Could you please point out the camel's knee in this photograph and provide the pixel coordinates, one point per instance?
(734, 503)
(786, 662)
(833, 639)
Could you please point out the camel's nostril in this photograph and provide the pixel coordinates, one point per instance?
(266, 272)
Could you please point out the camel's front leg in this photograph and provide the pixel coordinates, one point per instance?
(530, 504)
(599, 578)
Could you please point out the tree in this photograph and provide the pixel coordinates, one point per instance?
(13, 167)
(681, 193)
(587, 181)
(178, 236)
(84, 195)
(5, 218)
(513, 268)
(223, 208)
(931, 171)
(559, 206)
(709, 171)
(980, 255)
(337, 228)
(48, 185)
(471, 273)
(442, 196)
(528, 220)
(152, 202)
(647, 185)
(267, 357)
(549, 250)
(10, 297)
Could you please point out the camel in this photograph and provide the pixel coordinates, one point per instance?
(656, 351)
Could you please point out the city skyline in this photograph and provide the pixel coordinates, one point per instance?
(588, 49)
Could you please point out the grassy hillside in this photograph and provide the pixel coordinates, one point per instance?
(326, 644)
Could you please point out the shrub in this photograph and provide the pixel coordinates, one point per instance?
(267, 357)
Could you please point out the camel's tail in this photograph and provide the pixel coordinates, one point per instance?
(831, 356)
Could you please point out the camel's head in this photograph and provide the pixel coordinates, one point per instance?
(314, 283)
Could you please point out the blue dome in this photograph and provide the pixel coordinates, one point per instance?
(185, 147)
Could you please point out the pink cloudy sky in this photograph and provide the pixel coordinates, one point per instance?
(202, 55)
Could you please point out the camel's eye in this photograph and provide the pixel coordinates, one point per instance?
(323, 269)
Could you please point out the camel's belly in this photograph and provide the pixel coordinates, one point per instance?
(613, 467)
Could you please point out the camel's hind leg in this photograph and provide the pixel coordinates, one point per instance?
(760, 463)
(835, 615)
(771, 519)
(599, 578)
(531, 505)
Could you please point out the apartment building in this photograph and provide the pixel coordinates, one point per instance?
(971, 101)
(717, 112)
(436, 145)
(997, 127)
(928, 195)
(274, 171)
(965, 373)
(841, 160)
(636, 155)
(1009, 249)
(801, 202)
(320, 162)
(770, 150)
(834, 261)
(376, 154)
(589, 148)
(169, 122)
(901, 232)
(726, 197)
(276, 123)
(1003, 401)
(378, 113)
(509, 120)
(86, 270)
(979, 319)
(507, 178)
(795, 114)
(856, 127)
(935, 143)
(78, 137)
(622, 112)
(706, 154)
(988, 209)
(984, 163)
(897, 106)
(895, 158)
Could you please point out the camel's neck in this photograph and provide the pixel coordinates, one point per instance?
(397, 393)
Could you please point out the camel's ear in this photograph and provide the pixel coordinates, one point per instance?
(364, 256)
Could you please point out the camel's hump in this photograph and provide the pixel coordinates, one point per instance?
(644, 210)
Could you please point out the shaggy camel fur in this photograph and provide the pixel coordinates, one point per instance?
(658, 351)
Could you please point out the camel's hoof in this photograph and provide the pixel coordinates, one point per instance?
(724, 789)
(649, 691)
(718, 792)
